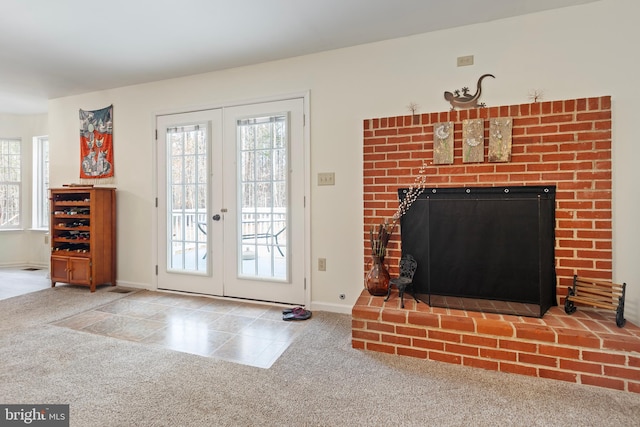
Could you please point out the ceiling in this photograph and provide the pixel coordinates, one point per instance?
(56, 48)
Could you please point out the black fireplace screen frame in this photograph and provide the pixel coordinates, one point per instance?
(489, 249)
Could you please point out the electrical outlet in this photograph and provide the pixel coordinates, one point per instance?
(326, 178)
(46, 239)
(463, 61)
(322, 264)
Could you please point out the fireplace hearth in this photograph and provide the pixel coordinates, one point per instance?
(484, 249)
(564, 143)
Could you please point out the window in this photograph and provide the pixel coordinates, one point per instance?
(10, 183)
(41, 182)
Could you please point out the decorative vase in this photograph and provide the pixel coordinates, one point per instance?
(377, 279)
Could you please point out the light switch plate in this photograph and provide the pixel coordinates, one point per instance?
(326, 178)
(463, 61)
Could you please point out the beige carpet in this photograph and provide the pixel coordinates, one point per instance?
(319, 381)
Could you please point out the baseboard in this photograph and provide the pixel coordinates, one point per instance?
(37, 265)
(332, 308)
(12, 265)
(24, 265)
(319, 306)
(135, 285)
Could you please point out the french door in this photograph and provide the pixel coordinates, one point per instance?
(189, 152)
(231, 202)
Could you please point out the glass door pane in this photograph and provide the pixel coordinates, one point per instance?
(190, 237)
(187, 198)
(263, 197)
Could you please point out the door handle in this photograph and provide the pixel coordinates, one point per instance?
(216, 217)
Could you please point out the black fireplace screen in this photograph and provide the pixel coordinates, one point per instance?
(484, 249)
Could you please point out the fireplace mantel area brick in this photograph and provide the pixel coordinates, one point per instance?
(564, 143)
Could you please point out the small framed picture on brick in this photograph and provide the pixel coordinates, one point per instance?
(473, 141)
(500, 139)
(443, 143)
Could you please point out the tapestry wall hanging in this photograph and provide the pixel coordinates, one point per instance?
(96, 145)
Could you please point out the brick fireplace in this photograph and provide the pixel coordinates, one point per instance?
(566, 144)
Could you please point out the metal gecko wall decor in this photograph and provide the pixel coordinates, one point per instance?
(461, 98)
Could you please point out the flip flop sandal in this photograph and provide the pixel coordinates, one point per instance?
(292, 310)
(297, 315)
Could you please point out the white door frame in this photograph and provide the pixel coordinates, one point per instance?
(307, 179)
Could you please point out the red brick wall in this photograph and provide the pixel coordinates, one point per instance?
(562, 143)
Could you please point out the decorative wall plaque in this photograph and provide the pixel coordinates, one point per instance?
(443, 143)
(473, 141)
(500, 139)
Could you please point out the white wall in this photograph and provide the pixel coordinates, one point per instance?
(568, 53)
(24, 246)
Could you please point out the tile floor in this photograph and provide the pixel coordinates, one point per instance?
(16, 281)
(234, 330)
